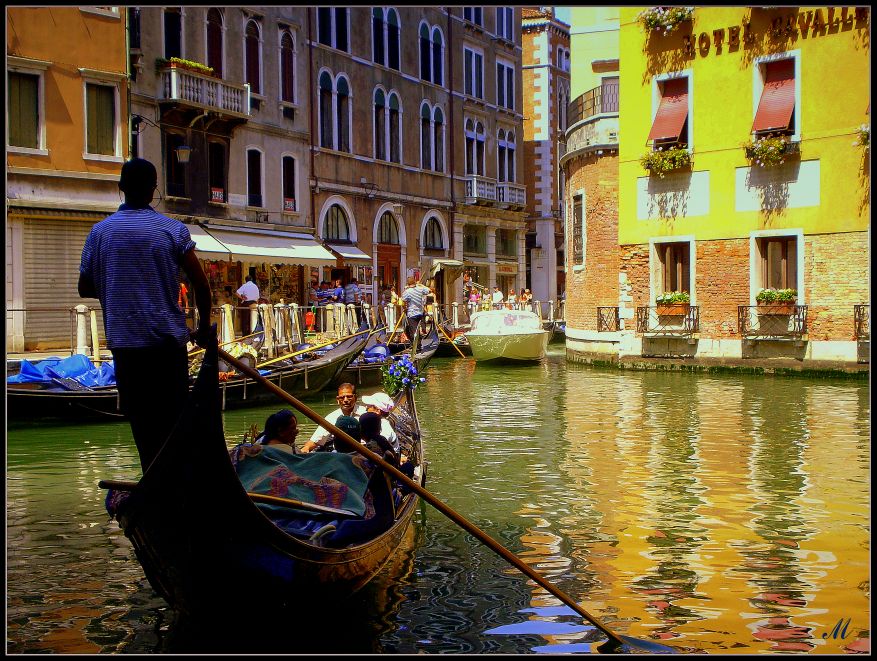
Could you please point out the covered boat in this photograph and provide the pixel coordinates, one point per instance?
(513, 335)
(208, 544)
(69, 398)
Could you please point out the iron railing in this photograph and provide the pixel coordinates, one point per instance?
(772, 321)
(684, 324)
(593, 102)
(608, 319)
(862, 321)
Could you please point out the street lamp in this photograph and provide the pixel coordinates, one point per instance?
(183, 153)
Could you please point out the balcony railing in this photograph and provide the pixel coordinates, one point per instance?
(480, 189)
(684, 324)
(594, 102)
(772, 321)
(607, 320)
(206, 92)
(862, 320)
(512, 194)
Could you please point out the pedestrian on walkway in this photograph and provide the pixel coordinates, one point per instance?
(249, 295)
(131, 263)
(414, 300)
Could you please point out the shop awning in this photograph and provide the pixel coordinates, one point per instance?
(672, 112)
(349, 253)
(452, 266)
(206, 246)
(777, 100)
(272, 247)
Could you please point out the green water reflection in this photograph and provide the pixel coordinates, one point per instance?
(716, 513)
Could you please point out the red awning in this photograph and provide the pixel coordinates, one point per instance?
(778, 98)
(673, 110)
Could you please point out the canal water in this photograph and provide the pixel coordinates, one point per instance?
(716, 513)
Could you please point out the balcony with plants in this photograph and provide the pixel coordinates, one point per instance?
(664, 20)
(776, 315)
(771, 150)
(664, 159)
(672, 315)
(194, 85)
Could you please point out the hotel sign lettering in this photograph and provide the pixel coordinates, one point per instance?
(810, 23)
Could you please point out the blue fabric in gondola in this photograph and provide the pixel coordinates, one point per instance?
(45, 370)
(331, 479)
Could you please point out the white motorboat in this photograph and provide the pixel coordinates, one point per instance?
(507, 334)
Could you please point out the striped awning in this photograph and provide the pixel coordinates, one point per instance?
(206, 246)
(778, 97)
(270, 246)
(672, 111)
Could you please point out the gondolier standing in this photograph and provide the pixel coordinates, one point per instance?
(131, 262)
(249, 295)
(414, 300)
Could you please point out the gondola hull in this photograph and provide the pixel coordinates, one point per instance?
(29, 401)
(206, 548)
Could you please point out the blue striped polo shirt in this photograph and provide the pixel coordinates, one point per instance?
(134, 258)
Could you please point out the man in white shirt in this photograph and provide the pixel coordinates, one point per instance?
(249, 295)
(497, 298)
(348, 406)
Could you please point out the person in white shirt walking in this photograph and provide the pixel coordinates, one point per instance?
(497, 298)
(249, 295)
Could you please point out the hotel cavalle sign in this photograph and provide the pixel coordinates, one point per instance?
(810, 23)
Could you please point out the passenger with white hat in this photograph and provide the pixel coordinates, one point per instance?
(381, 403)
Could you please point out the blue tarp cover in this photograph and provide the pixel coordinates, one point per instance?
(77, 367)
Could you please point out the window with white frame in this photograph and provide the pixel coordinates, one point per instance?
(505, 85)
(506, 145)
(432, 235)
(674, 267)
(778, 97)
(432, 143)
(473, 72)
(336, 228)
(327, 133)
(175, 172)
(253, 56)
(474, 135)
(388, 230)
(505, 20)
(438, 149)
(395, 128)
(777, 262)
(562, 107)
(289, 184)
(380, 124)
(438, 67)
(480, 138)
(425, 137)
(577, 233)
(215, 40)
(254, 178)
(393, 29)
(473, 15)
(24, 111)
(425, 52)
(332, 27)
(287, 66)
(670, 126)
(102, 113)
(334, 111)
(217, 170)
(431, 54)
(343, 109)
(385, 37)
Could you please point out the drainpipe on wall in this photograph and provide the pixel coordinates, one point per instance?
(451, 151)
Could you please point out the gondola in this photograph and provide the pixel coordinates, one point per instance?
(458, 338)
(207, 547)
(309, 374)
(365, 371)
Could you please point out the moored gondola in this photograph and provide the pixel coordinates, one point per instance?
(308, 374)
(207, 547)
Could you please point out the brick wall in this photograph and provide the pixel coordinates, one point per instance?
(836, 278)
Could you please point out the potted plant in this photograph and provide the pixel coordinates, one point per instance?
(662, 160)
(776, 301)
(672, 303)
(663, 20)
(863, 136)
(179, 63)
(769, 150)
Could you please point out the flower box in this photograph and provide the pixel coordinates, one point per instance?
(770, 150)
(660, 161)
(672, 309)
(664, 20)
(776, 308)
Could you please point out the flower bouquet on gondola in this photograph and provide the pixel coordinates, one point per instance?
(400, 373)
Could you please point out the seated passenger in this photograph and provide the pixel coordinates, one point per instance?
(346, 399)
(370, 423)
(281, 428)
(381, 403)
(348, 424)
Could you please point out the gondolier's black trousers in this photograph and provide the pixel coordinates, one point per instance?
(153, 388)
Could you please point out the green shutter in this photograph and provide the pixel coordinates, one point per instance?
(23, 110)
(100, 106)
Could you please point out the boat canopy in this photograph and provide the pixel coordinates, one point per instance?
(490, 321)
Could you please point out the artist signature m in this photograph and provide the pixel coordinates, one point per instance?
(839, 630)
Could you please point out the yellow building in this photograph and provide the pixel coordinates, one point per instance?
(737, 173)
(66, 138)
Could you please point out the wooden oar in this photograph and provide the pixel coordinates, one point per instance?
(225, 344)
(615, 641)
(398, 321)
(462, 355)
(309, 349)
(121, 485)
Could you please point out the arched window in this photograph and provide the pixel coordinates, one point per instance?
(437, 60)
(510, 152)
(254, 178)
(216, 170)
(288, 183)
(479, 148)
(432, 235)
(425, 137)
(287, 67)
(326, 134)
(388, 231)
(469, 132)
(395, 130)
(251, 55)
(392, 39)
(500, 155)
(378, 35)
(173, 32)
(380, 110)
(336, 224)
(214, 40)
(343, 115)
(425, 56)
(439, 141)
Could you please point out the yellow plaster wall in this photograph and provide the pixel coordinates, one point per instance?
(70, 39)
(593, 36)
(835, 93)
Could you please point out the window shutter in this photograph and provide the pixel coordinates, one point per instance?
(778, 97)
(672, 112)
(100, 105)
(23, 110)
